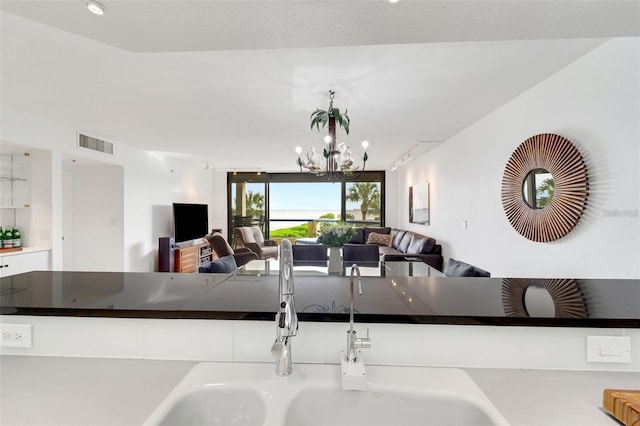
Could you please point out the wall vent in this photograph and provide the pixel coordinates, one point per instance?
(95, 144)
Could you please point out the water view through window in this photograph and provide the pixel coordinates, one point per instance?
(298, 209)
(295, 204)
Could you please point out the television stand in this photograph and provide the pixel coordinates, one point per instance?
(190, 258)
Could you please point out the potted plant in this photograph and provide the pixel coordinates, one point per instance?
(335, 236)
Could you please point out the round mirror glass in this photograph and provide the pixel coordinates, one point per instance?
(538, 188)
(538, 302)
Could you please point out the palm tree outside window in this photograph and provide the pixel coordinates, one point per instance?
(359, 202)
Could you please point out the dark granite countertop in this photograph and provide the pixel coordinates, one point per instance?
(400, 299)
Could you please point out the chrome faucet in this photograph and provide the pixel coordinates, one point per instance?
(286, 316)
(354, 374)
(354, 342)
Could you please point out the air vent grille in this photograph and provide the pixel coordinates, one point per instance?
(95, 144)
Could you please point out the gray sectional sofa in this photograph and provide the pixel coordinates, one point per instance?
(402, 245)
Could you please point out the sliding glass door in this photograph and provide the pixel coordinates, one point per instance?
(295, 205)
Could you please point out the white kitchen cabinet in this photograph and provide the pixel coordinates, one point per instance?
(29, 259)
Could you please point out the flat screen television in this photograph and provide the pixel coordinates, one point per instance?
(190, 221)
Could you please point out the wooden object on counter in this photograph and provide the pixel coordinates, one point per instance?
(623, 404)
(10, 249)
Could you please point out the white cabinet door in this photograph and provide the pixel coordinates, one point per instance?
(24, 262)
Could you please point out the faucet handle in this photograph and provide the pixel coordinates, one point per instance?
(364, 342)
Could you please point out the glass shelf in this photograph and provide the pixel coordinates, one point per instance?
(14, 180)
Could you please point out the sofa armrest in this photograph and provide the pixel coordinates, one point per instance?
(270, 243)
(243, 250)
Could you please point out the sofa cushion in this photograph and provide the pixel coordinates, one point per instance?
(481, 272)
(359, 237)
(456, 268)
(405, 242)
(223, 265)
(379, 239)
(383, 250)
(421, 244)
(367, 231)
(257, 235)
(397, 235)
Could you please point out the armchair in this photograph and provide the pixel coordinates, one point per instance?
(222, 248)
(251, 237)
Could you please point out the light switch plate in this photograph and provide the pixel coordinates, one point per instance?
(611, 349)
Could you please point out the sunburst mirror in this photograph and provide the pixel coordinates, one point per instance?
(565, 297)
(545, 187)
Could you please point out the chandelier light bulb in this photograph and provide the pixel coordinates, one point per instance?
(365, 144)
(298, 150)
(327, 139)
(95, 7)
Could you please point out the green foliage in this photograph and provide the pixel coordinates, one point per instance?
(321, 116)
(328, 216)
(336, 234)
(369, 195)
(294, 232)
(544, 192)
(255, 203)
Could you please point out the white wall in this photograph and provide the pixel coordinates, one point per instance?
(151, 183)
(542, 348)
(593, 102)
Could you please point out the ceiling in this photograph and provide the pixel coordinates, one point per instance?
(232, 83)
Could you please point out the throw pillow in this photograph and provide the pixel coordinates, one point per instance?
(456, 268)
(397, 235)
(377, 230)
(379, 239)
(403, 245)
(224, 265)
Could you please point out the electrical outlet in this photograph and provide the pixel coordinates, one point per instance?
(15, 335)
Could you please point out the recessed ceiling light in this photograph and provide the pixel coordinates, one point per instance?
(394, 1)
(95, 7)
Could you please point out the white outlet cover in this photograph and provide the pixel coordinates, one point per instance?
(15, 335)
(610, 349)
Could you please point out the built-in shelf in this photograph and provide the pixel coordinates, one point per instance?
(14, 180)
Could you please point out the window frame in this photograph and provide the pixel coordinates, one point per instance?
(267, 178)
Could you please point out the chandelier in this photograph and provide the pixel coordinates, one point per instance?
(336, 160)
